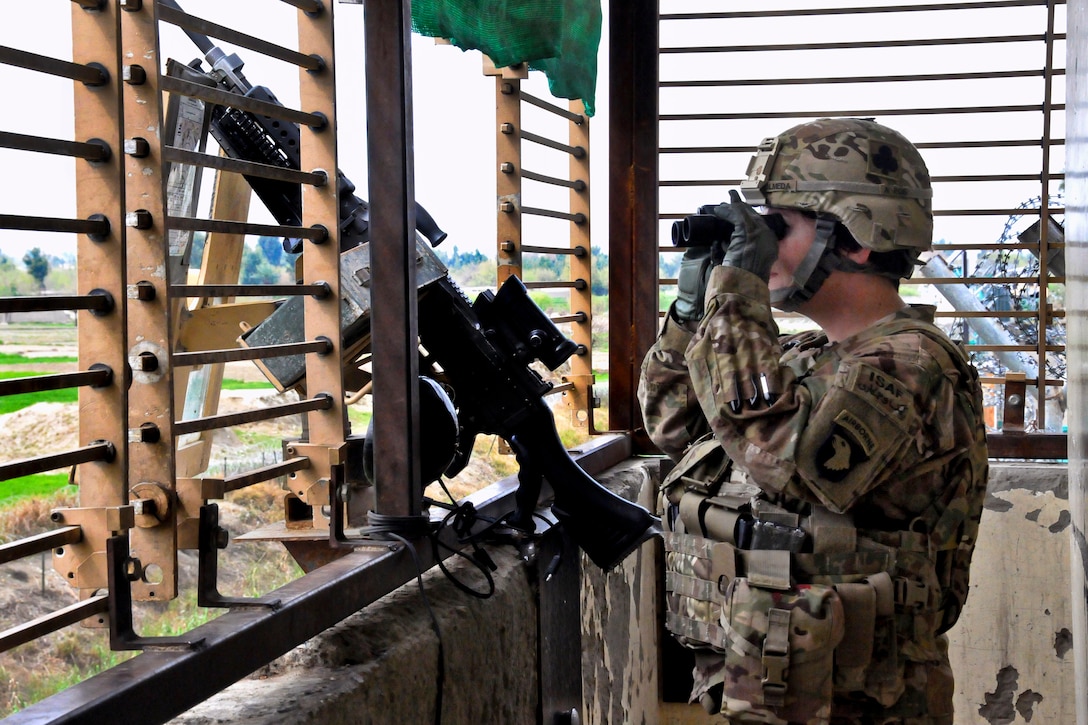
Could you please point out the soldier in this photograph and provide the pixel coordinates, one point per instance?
(828, 482)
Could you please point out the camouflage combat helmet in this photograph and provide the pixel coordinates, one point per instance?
(850, 170)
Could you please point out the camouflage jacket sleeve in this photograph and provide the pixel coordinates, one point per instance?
(868, 411)
(670, 409)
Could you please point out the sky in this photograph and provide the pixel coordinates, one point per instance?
(454, 136)
(454, 133)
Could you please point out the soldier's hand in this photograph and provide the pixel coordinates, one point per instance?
(694, 273)
(753, 245)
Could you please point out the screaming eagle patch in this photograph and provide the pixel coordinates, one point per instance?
(850, 443)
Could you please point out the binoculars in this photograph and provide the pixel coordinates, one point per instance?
(705, 228)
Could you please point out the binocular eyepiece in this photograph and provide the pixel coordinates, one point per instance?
(706, 228)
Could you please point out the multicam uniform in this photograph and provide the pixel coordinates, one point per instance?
(885, 426)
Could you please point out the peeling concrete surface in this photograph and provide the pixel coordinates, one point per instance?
(380, 666)
(1011, 650)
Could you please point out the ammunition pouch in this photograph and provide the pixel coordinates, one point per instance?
(780, 651)
(738, 568)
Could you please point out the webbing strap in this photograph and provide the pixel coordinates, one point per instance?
(768, 568)
(776, 657)
(692, 587)
(695, 629)
(687, 544)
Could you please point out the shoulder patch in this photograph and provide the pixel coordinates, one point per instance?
(849, 444)
(885, 392)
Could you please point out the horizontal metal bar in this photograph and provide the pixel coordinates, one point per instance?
(994, 246)
(38, 543)
(561, 388)
(1040, 446)
(322, 401)
(576, 317)
(575, 151)
(91, 75)
(577, 118)
(319, 290)
(95, 226)
(923, 77)
(993, 314)
(935, 179)
(310, 7)
(983, 5)
(245, 103)
(1012, 348)
(1007, 211)
(578, 251)
(578, 284)
(98, 451)
(265, 473)
(993, 380)
(248, 168)
(96, 302)
(315, 234)
(209, 357)
(981, 280)
(92, 151)
(1054, 176)
(242, 640)
(862, 44)
(39, 383)
(73, 613)
(576, 184)
(1003, 143)
(856, 112)
(577, 218)
(177, 17)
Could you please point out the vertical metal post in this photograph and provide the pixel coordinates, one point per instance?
(317, 147)
(151, 397)
(99, 190)
(633, 246)
(1076, 259)
(394, 322)
(581, 268)
(1076, 262)
(508, 179)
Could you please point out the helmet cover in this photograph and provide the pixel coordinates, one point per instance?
(864, 174)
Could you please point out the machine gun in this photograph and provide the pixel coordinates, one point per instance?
(482, 350)
(261, 139)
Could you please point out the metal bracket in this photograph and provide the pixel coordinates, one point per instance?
(213, 538)
(1015, 399)
(122, 634)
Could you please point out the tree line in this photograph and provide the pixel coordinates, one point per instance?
(266, 262)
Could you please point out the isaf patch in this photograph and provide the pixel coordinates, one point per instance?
(884, 392)
(849, 444)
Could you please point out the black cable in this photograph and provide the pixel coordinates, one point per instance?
(398, 528)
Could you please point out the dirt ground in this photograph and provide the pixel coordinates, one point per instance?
(31, 588)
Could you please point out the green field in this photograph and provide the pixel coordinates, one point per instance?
(37, 486)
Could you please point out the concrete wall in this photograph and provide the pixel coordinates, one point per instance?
(1011, 650)
(381, 665)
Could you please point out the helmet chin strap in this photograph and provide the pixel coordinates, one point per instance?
(812, 271)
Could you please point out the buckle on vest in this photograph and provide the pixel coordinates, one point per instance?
(910, 594)
(776, 657)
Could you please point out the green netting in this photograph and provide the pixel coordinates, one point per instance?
(558, 37)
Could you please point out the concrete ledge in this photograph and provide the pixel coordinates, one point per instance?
(1011, 650)
(381, 665)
